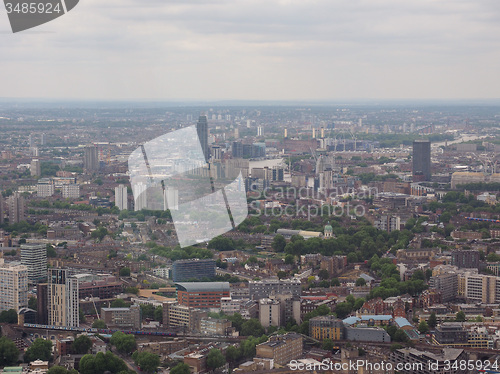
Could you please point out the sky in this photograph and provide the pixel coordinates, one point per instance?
(257, 50)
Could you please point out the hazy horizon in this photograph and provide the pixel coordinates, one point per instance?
(255, 50)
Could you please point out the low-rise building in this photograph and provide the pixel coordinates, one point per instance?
(176, 315)
(216, 327)
(423, 362)
(163, 348)
(366, 334)
(45, 188)
(281, 348)
(450, 333)
(326, 327)
(70, 191)
(122, 317)
(446, 284)
(202, 295)
(265, 288)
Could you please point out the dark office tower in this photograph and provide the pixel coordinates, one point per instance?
(421, 160)
(468, 259)
(186, 270)
(91, 158)
(237, 150)
(202, 129)
(42, 299)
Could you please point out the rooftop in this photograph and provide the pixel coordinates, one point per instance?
(202, 286)
(353, 320)
(402, 322)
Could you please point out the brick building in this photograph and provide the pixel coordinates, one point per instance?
(202, 295)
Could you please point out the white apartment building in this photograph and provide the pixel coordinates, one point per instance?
(13, 286)
(34, 257)
(45, 188)
(270, 312)
(482, 288)
(121, 197)
(70, 191)
(230, 306)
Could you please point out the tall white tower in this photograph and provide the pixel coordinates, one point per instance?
(121, 200)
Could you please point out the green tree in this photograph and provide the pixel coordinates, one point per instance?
(8, 352)
(99, 233)
(327, 344)
(352, 258)
(60, 370)
(418, 275)
(181, 368)
(32, 303)
(279, 243)
(360, 282)
(133, 290)
(158, 314)
(343, 310)
(493, 257)
(147, 311)
(445, 217)
(119, 303)
(237, 321)
(428, 274)
(124, 343)
(147, 361)
(41, 349)
(460, 317)
(99, 324)
(391, 330)
(323, 274)
(432, 321)
(82, 345)
(215, 359)
(221, 243)
(81, 316)
(125, 272)
(248, 345)
(252, 327)
(281, 274)
(51, 252)
(233, 354)
(400, 336)
(102, 362)
(358, 304)
(8, 316)
(289, 259)
(423, 327)
(335, 282)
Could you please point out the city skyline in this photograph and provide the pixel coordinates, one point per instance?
(251, 50)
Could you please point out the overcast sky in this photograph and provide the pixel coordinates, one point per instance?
(258, 50)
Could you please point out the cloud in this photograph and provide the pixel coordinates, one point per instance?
(256, 49)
